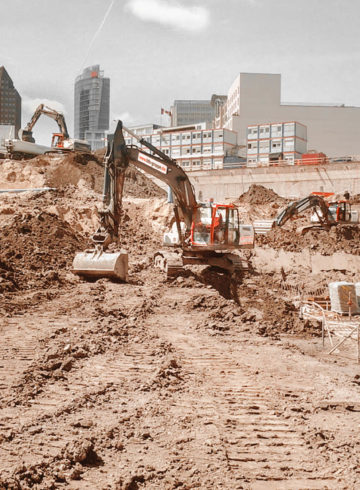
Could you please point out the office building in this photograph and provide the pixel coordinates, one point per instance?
(191, 112)
(285, 141)
(10, 102)
(255, 98)
(92, 106)
(194, 146)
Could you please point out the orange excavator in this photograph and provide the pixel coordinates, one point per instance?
(206, 233)
(326, 214)
(60, 141)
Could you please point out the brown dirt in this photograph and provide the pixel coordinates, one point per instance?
(341, 238)
(258, 194)
(204, 381)
(71, 169)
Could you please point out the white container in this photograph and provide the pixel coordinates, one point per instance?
(341, 293)
(357, 290)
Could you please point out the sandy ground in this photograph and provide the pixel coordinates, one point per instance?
(203, 381)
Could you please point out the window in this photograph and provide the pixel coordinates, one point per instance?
(276, 145)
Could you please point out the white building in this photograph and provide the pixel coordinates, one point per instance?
(7, 131)
(276, 141)
(255, 98)
(194, 147)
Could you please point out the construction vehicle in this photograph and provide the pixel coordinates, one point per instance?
(60, 141)
(326, 214)
(205, 232)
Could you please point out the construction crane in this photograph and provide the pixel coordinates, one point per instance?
(60, 140)
(206, 232)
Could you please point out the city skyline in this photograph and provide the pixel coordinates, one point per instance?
(156, 51)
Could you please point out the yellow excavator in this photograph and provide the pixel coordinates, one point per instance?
(206, 232)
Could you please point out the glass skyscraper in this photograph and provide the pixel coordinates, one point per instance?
(92, 106)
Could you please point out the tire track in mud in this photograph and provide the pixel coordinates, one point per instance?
(261, 449)
(32, 428)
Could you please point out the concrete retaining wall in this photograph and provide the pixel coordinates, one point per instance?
(291, 181)
(270, 260)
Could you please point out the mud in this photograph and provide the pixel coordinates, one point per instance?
(207, 380)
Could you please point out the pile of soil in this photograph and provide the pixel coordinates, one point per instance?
(138, 185)
(341, 238)
(258, 194)
(36, 250)
(74, 169)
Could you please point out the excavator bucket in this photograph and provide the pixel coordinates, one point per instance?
(96, 264)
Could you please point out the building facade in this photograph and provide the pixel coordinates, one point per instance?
(191, 112)
(92, 106)
(255, 98)
(285, 141)
(10, 102)
(194, 147)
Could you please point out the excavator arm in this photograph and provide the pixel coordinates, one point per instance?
(159, 165)
(302, 205)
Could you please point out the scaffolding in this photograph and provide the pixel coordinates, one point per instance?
(337, 328)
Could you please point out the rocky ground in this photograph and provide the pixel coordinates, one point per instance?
(203, 381)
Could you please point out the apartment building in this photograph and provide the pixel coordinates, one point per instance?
(92, 106)
(255, 98)
(194, 147)
(10, 102)
(286, 141)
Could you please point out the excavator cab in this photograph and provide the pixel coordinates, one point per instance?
(57, 140)
(217, 226)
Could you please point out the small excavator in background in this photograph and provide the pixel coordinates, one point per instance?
(60, 141)
(326, 214)
(206, 233)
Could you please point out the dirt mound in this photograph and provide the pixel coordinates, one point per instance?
(36, 249)
(138, 185)
(84, 171)
(258, 194)
(340, 238)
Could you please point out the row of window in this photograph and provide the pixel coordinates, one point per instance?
(204, 164)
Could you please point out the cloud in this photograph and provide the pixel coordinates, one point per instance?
(170, 13)
(29, 104)
(126, 118)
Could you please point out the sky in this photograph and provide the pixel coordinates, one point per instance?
(157, 51)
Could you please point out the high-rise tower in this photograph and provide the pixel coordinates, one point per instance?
(92, 106)
(10, 102)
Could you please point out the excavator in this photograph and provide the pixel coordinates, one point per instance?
(326, 214)
(60, 141)
(206, 232)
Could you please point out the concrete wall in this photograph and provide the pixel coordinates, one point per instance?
(334, 130)
(292, 181)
